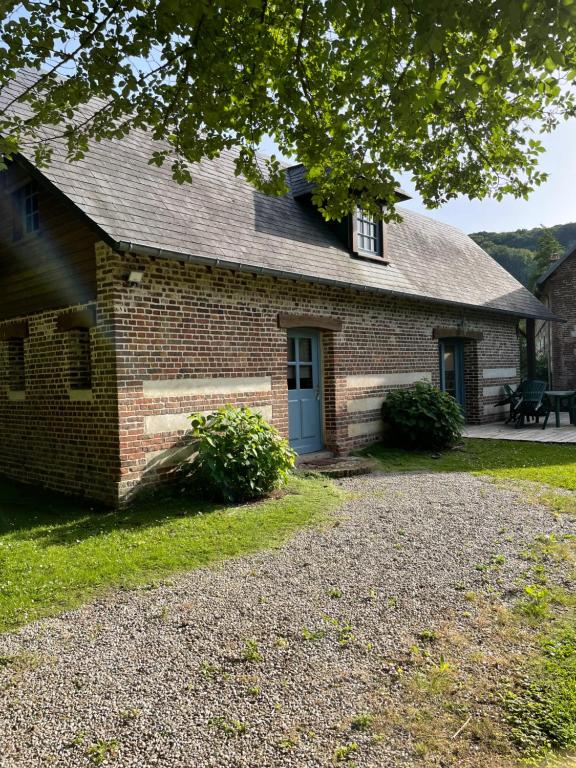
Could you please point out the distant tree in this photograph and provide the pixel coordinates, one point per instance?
(517, 261)
(358, 90)
(548, 247)
(517, 250)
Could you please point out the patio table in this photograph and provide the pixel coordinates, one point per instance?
(556, 396)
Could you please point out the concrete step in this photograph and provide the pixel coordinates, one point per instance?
(336, 466)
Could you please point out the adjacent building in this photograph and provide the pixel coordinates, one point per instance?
(557, 288)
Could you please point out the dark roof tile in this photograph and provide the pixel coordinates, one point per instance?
(221, 216)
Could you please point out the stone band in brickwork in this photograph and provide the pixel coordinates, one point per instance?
(197, 325)
(190, 338)
(48, 437)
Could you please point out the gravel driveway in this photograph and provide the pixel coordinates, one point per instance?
(264, 660)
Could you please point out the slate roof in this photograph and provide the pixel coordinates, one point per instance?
(221, 219)
(301, 186)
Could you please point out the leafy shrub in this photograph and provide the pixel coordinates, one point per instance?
(423, 417)
(240, 456)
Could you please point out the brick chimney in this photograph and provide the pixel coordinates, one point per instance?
(555, 256)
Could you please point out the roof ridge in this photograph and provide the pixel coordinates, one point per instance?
(221, 216)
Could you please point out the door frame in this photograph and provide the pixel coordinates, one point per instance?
(317, 366)
(459, 368)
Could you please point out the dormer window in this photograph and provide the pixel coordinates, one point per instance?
(367, 236)
(368, 233)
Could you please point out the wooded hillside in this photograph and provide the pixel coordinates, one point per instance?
(515, 250)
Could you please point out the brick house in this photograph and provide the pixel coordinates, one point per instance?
(557, 289)
(128, 302)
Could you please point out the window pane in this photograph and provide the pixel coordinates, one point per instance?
(32, 222)
(291, 350)
(17, 214)
(450, 383)
(368, 232)
(449, 371)
(306, 381)
(25, 211)
(305, 350)
(291, 377)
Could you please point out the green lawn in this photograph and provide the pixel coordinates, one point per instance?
(56, 553)
(538, 693)
(554, 465)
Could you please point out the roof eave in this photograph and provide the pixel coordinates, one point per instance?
(162, 253)
(40, 177)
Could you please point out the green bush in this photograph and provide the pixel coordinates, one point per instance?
(240, 456)
(423, 417)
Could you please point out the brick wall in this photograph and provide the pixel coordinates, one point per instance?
(560, 290)
(53, 432)
(190, 338)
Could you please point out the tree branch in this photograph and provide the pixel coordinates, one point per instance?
(298, 59)
(68, 57)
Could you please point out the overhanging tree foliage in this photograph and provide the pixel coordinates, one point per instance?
(548, 249)
(358, 90)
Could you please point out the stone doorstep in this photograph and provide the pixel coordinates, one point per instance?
(312, 458)
(327, 464)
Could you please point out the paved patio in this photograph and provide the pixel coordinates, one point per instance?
(566, 433)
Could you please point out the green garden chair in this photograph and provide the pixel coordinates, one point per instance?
(533, 403)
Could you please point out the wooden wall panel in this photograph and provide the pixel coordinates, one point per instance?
(55, 267)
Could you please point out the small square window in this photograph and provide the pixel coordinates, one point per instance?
(80, 359)
(26, 214)
(16, 365)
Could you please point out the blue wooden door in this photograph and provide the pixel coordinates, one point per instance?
(304, 391)
(452, 369)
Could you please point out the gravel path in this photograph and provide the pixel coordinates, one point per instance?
(264, 660)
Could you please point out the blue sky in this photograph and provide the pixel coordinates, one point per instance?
(552, 203)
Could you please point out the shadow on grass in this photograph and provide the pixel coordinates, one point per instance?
(46, 517)
(57, 552)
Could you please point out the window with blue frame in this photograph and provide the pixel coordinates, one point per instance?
(26, 212)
